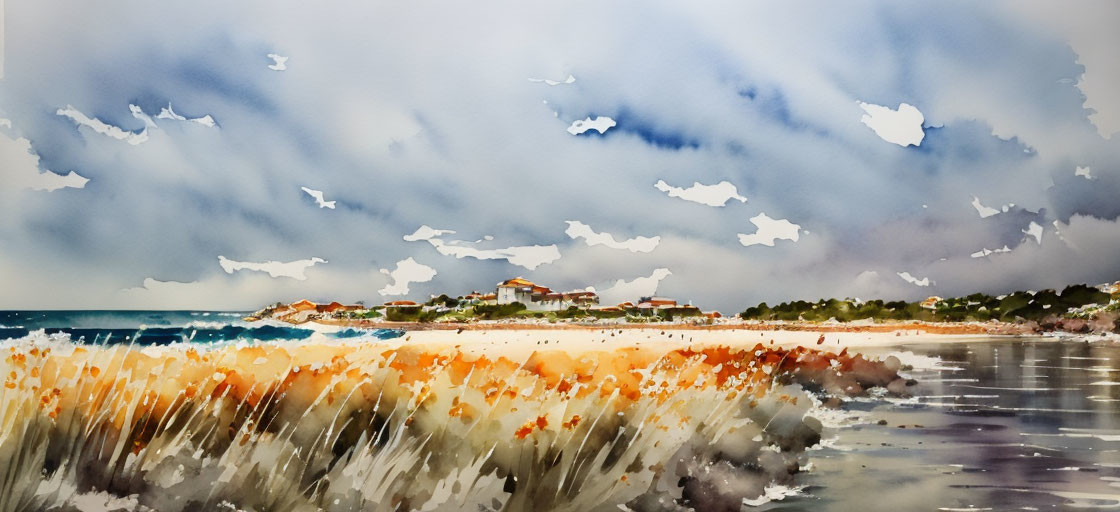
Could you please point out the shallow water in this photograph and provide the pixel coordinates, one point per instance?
(996, 425)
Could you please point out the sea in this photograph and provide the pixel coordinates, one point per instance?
(147, 328)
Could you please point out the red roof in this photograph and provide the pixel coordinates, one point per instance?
(303, 305)
(517, 282)
(520, 282)
(401, 303)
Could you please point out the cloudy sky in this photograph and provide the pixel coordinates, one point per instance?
(218, 155)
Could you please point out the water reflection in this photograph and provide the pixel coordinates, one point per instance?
(1000, 425)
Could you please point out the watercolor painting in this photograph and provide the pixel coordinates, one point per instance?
(591, 256)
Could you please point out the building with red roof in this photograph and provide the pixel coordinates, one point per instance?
(541, 298)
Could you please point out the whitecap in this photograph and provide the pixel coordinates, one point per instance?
(773, 492)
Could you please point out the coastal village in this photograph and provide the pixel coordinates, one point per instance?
(512, 299)
(1076, 308)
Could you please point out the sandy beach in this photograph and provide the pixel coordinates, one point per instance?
(520, 341)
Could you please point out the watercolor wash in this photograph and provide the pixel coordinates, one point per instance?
(300, 257)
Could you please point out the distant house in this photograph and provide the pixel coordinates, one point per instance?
(329, 308)
(477, 297)
(303, 305)
(583, 298)
(541, 298)
(1111, 289)
(336, 309)
(521, 290)
(656, 302)
(560, 301)
(660, 306)
(304, 310)
(931, 303)
(297, 312)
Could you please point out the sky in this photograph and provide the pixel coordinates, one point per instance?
(208, 155)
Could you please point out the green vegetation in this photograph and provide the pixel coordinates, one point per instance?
(1018, 306)
(443, 300)
(498, 311)
(669, 314)
(404, 314)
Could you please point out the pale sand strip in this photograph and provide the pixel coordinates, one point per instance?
(515, 343)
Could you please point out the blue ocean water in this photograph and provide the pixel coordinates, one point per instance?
(162, 327)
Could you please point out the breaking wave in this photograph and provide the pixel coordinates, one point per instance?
(196, 332)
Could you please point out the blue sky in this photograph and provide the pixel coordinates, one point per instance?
(426, 115)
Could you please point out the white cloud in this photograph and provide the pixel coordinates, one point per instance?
(988, 252)
(913, 280)
(407, 271)
(600, 124)
(1035, 230)
(1084, 172)
(427, 233)
(770, 230)
(902, 126)
(100, 127)
(50, 181)
(169, 113)
(138, 113)
(570, 79)
(711, 195)
(292, 269)
(21, 168)
(622, 291)
(318, 195)
(530, 257)
(577, 229)
(987, 211)
(279, 62)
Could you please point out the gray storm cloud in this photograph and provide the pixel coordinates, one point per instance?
(407, 115)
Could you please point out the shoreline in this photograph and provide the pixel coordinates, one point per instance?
(941, 328)
(521, 340)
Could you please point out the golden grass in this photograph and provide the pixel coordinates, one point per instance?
(366, 427)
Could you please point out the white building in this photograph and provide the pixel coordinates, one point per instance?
(542, 298)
